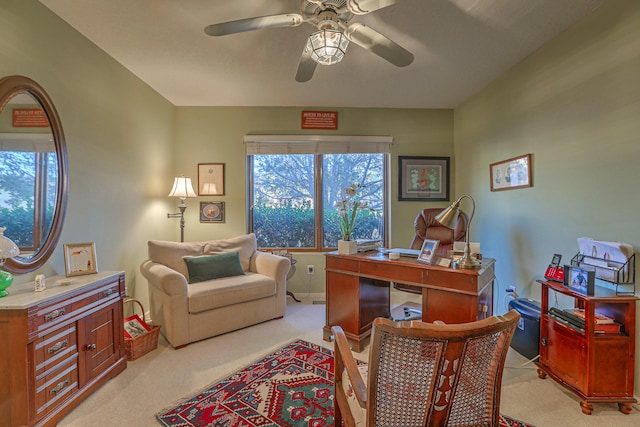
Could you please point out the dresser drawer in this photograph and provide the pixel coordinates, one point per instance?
(64, 311)
(54, 347)
(56, 384)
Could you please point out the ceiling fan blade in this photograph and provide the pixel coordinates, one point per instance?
(361, 7)
(382, 46)
(306, 67)
(250, 24)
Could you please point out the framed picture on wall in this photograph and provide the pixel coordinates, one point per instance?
(423, 178)
(80, 258)
(211, 179)
(211, 211)
(511, 173)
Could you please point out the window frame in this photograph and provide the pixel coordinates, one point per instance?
(318, 145)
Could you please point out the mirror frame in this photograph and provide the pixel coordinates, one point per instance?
(10, 86)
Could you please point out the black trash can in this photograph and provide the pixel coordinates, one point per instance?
(526, 339)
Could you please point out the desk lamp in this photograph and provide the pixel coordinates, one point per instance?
(448, 218)
(8, 249)
(182, 188)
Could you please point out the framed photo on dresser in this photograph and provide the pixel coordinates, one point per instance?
(80, 258)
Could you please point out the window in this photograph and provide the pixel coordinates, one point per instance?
(28, 182)
(294, 186)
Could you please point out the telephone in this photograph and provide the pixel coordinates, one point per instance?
(554, 271)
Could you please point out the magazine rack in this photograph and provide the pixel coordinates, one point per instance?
(142, 344)
(621, 274)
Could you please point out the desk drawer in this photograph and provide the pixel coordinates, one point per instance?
(391, 271)
(449, 280)
(337, 263)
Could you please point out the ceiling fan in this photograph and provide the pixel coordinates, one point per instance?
(328, 45)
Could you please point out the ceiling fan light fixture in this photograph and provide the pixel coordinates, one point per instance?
(327, 46)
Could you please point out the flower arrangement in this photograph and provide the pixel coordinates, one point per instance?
(348, 210)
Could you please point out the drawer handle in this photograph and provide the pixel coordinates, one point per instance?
(58, 346)
(59, 387)
(109, 292)
(54, 314)
(91, 347)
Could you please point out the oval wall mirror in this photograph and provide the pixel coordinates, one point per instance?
(33, 172)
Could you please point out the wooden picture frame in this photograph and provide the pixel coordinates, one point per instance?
(134, 327)
(80, 259)
(511, 173)
(211, 179)
(423, 178)
(212, 211)
(428, 250)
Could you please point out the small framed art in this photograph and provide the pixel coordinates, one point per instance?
(80, 258)
(428, 250)
(579, 279)
(211, 211)
(511, 173)
(134, 326)
(423, 178)
(211, 179)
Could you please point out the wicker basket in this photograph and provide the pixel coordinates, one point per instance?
(142, 344)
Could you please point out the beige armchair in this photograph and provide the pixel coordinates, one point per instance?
(189, 311)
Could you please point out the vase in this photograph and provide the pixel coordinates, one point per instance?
(347, 247)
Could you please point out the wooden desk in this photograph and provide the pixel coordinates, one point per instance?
(357, 291)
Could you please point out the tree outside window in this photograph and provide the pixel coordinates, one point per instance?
(293, 198)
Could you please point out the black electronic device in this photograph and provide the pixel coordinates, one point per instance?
(554, 271)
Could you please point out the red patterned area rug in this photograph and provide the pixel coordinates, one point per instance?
(291, 387)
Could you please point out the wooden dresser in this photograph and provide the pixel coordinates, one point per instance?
(58, 346)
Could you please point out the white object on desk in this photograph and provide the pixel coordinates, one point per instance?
(404, 252)
(40, 283)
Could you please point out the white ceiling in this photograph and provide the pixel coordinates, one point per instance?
(459, 45)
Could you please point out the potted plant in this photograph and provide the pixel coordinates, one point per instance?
(348, 209)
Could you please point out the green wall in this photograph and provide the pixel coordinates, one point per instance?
(119, 135)
(215, 135)
(575, 106)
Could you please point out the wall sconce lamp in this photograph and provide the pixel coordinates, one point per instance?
(8, 249)
(182, 188)
(448, 218)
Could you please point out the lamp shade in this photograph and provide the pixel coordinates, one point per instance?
(327, 47)
(449, 216)
(182, 188)
(8, 249)
(209, 188)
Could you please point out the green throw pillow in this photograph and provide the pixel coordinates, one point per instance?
(209, 267)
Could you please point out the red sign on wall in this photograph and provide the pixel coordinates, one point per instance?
(29, 118)
(327, 120)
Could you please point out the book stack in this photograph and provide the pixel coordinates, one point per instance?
(603, 324)
(365, 245)
(575, 319)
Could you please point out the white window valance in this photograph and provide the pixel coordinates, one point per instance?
(316, 144)
(27, 142)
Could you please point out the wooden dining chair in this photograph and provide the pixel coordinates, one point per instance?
(424, 374)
